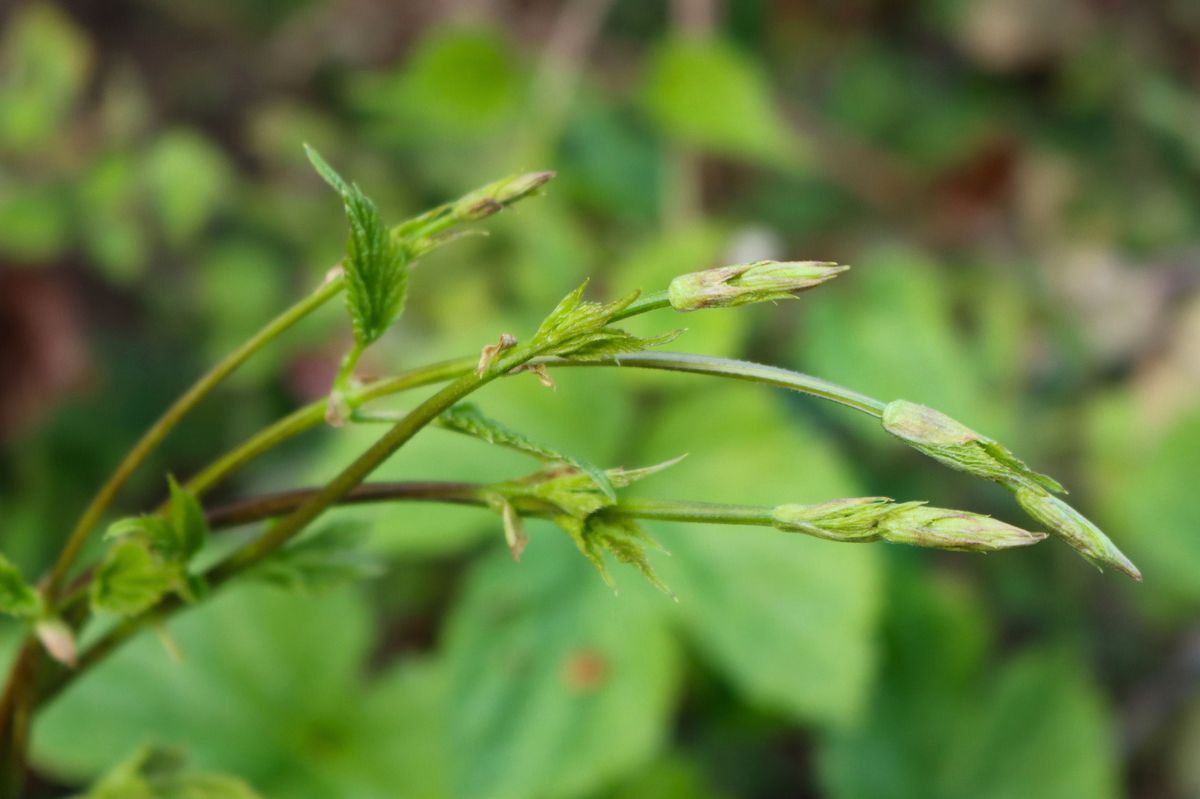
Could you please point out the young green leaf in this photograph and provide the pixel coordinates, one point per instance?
(17, 597)
(173, 538)
(376, 263)
(573, 321)
(160, 774)
(466, 418)
(331, 557)
(131, 579)
(187, 520)
(581, 506)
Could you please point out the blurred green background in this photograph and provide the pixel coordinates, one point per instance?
(1015, 184)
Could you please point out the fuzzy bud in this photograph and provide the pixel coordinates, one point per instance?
(959, 447)
(1076, 529)
(761, 281)
(494, 197)
(915, 523)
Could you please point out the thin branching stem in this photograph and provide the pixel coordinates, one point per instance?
(167, 422)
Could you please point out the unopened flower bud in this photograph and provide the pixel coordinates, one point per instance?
(940, 528)
(1075, 528)
(915, 523)
(761, 281)
(494, 197)
(959, 447)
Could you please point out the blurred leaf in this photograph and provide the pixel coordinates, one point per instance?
(936, 642)
(1039, 732)
(109, 207)
(888, 329)
(668, 778)
(156, 774)
(328, 558)
(708, 95)
(556, 686)
(1043, 733)
(240, 283)
(188, 178)
(130, 579)
(35, 222)
(461, 82)
(466, 418)
(44, 63)
(1149, 492)
(17, 598)
(271, 689)
(789, 620)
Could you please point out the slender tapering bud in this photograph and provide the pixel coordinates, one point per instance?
(761, 281)
(959, 447)
(915, 523)
(1075, 528)
(940, 528)
(494, 197)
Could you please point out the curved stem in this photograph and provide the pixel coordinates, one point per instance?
(312, 415)
(741, 370)
(159, 430)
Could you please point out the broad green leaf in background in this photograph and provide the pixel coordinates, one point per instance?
(239, 283)
(329, 557)
(557, 687)
(35, 219)
(113, 231)
(270, 689)
(944, 726)
(187, 178)
(789, 620)
(668, 778)
(708, 95)
(935, 642)
(1146, 486)
(1042, 733)
(888, 329)
(44, 64)
(459, 82)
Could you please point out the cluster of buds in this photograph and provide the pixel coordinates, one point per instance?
(741, 284)
(879, 518)
(959, 447)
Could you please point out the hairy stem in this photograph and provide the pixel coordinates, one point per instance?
(167, 422)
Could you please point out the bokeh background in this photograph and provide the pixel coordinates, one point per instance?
(1015, 184)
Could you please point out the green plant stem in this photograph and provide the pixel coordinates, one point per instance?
(255, 509)
(159, 430)
(266, 506)
(643, 304)
(740, 370)
(313, 415)
(350, 477)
